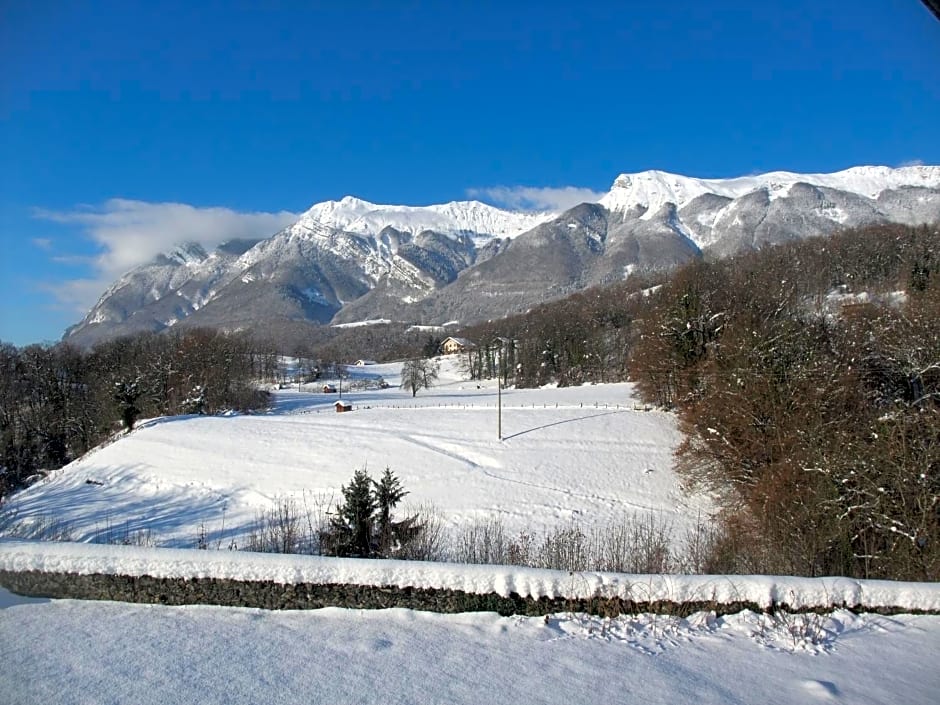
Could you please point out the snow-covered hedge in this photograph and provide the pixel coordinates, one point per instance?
(764, 592)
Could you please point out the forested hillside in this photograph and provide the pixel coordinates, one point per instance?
(807, 380)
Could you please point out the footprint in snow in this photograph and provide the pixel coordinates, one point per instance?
(381, 644)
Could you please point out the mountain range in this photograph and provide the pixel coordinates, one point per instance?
(350, 260)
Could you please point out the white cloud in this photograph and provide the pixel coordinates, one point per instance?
(912, 162)
(537, 198)
(43, 243)
(74, 295)
(129, 233)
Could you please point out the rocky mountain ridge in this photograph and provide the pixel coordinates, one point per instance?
(351, 260)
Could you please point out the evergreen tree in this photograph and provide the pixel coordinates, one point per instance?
(352, 528)
(388, 493)
(432, 346)
(363, 525)
(126, 394)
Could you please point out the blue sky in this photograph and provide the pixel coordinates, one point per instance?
(124, 124)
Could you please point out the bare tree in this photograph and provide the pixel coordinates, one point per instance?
(418, 373)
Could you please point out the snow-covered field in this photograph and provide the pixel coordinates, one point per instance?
(68, 651)
(580, 454)
(65, 651)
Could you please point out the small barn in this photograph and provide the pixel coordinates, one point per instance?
(329, 389)
(342, 406)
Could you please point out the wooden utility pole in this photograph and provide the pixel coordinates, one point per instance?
(499, 400)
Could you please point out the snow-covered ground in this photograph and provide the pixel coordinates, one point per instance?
(66, 651)
(582, 453)
(579, 453)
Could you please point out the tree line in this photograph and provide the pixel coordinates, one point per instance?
(806, 378)
(582, 339)
(57, 402)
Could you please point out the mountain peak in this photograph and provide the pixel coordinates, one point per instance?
(350, 201)
(336, 260)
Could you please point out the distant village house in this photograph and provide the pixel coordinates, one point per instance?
(452, 346)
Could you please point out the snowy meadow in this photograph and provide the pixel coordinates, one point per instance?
(586, 455)
(582, 455)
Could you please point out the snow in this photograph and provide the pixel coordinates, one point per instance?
(188, 253)
(239, 655)
(315, 296)
(473, 218)
(837, 299)
(588, 457)
(656, 188)
(764, 591)
(67, 651)
(425, 329)
(359, 324)
(680, 228)
(572, 454)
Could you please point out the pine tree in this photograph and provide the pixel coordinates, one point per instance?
(363, 525)
(351, 530)
(388, 493)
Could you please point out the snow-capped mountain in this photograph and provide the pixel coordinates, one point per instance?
(351, 260)
(335, 253)
(653, 220)
(654, 189)
(726, 215)
(161, 293)
(473, 218)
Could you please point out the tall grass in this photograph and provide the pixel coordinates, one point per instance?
(638, 543)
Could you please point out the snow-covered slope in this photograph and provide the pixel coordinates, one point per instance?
(579, 454)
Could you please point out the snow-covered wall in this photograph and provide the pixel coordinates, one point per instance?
(174, 576)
